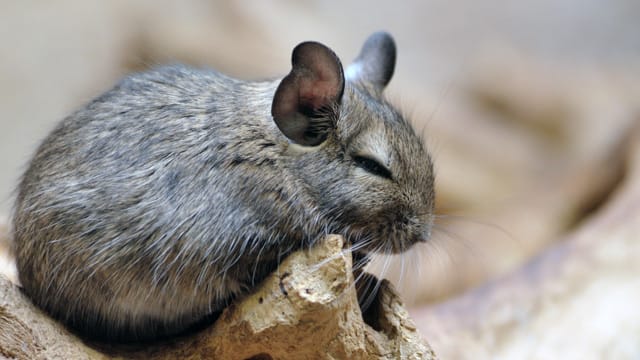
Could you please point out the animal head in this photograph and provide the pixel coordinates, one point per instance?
(367, 168)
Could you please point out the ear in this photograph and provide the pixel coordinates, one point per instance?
(306, 103)
(376, 61)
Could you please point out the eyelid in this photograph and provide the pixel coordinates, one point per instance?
(373, 165)
(371, 157)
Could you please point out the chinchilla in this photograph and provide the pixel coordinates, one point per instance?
(180, 189)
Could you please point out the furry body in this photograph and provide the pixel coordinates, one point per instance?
(176, 191)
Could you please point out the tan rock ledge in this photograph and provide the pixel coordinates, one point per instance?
(308, 309)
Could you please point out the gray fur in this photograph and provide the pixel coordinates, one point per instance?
(175, 191)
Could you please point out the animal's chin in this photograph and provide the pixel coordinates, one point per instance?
(394, 250)
(395, 239)
(362, 256)
(387, 248)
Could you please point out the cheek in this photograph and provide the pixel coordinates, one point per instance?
(370, 196)
(361, 176)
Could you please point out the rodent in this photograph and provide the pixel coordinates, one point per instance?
(180, 189)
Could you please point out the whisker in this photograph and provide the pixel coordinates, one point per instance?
(455, 236)
(446, 219)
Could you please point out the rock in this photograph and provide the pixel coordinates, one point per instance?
(307, 309)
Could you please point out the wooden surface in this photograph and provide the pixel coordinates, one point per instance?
(308, 309)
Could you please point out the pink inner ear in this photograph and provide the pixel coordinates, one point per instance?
(318, 75)
(318, 93)
(319, 87)
(305, 97)
(316, 81)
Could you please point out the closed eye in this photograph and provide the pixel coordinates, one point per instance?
(372, 166)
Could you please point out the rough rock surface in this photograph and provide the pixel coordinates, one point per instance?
(308, 309)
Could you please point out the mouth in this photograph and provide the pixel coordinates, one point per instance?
(392, 240)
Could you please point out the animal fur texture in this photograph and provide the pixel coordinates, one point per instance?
(180, 189)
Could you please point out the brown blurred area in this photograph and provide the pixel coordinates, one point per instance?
(527, 107)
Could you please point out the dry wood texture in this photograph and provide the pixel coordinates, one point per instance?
(308, 309)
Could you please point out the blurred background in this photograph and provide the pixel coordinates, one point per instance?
(527, 107)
